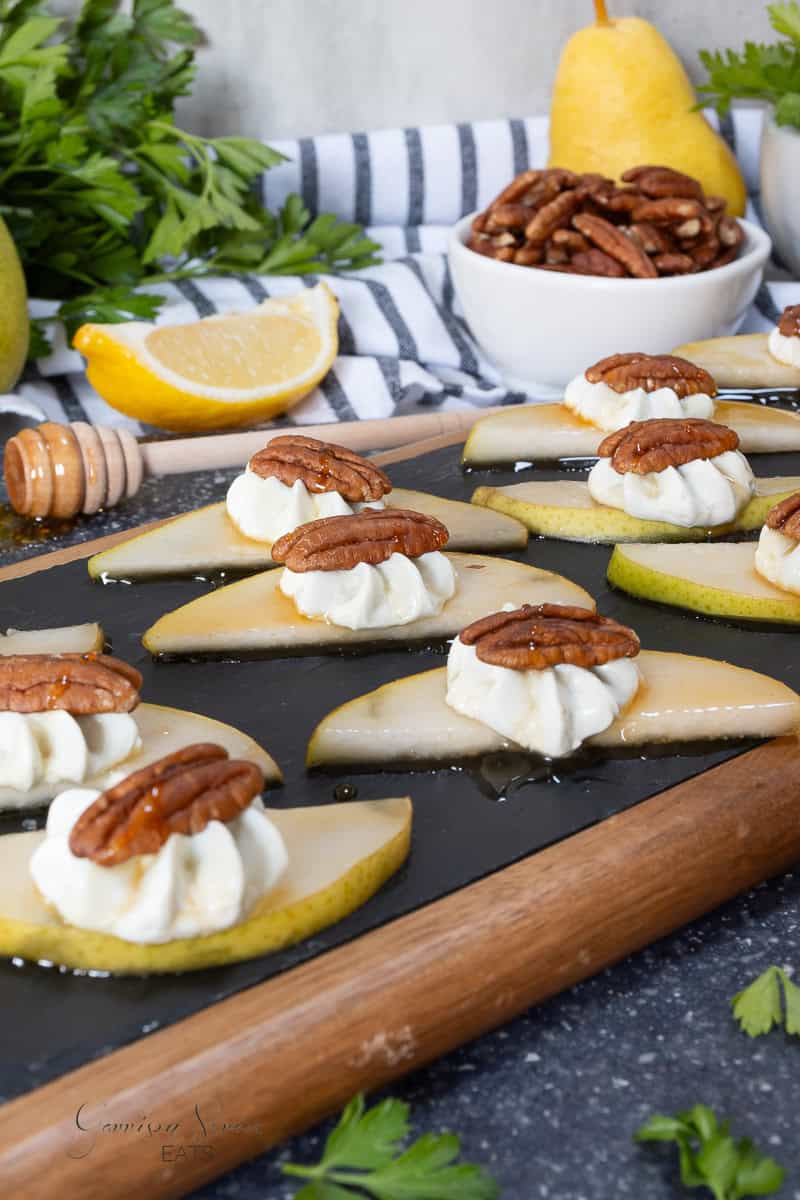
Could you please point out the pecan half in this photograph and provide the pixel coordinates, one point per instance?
(645, 446)
(502, 247)
(322, 467)
(81, 684)
(538, 636)
(507, 216)
(616, 244)
(786, 517)
(623, 372)
(553, 216)
(674, 263)
(181, 793)
(372, 536)
(596, 262)
(657, 182)
(789, 323)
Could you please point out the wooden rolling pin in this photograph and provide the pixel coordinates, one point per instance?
(62, 470)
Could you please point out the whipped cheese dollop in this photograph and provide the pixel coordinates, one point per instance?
(778, 559)
(395, 592)
(601, 406)
(551, 711)
(785, 349)
(194, 885)
(264, 509)
(706, 492)
(55, 747)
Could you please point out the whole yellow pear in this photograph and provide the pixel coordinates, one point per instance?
(14, 326)
(622, 98)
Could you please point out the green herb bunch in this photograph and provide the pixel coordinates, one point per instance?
(760, 72)
(103, 193)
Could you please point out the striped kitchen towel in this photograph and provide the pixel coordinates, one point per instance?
(403, 343)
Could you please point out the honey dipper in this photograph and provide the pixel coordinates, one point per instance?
(61, 470)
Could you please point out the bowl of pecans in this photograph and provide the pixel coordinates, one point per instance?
(563, 269)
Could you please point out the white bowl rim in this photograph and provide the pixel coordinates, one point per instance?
(757, 250)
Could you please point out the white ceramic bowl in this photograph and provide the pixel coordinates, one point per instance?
(545, 327)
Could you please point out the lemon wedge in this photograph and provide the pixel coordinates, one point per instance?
(221, 371)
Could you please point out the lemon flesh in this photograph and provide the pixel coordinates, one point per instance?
(742, 361)
(254, 614)
(339, 856)
(14, 324)
(216, 372)
(564, 509)
(682, 698)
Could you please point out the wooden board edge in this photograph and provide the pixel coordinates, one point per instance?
(68, 554)
(277, 1057)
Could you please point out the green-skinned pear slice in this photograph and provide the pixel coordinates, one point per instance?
(162, 731)
(542, 432)
(339, 856)
(253, 615)
(681, 699)
(66, 639)
(207, 540)
(719, 581)
(564, 509)
(742, 361)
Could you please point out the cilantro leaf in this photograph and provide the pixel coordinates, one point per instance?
(758, 1007)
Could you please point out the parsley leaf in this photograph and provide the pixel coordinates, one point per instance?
(758, 1007)
(364, 1155)
(711, 1158)
(770, 73)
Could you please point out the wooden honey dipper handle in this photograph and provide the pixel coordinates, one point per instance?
(62, 470)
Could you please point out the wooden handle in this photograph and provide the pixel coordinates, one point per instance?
(275, 1058)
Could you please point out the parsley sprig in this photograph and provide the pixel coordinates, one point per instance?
(100, 189)
(711, 1157)
(758, 1007)
(364, 1156)
(760, 72)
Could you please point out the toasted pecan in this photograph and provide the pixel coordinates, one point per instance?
(81, 684)
(623, 372)
(785, 517)
(789, 323)
(645, 446)
(657, 182)
(372, 536)
(538, 636)
(180, 793)
(616, 244)
(322, 467)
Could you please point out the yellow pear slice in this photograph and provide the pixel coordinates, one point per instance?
(742, 361)
(564, 509)
(68, 639)
(254, 614)
(681, 698)
(540, 432)
(207, 540)
(719, 580)
(339, 856)
(162, 730)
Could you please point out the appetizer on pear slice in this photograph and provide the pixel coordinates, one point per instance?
(660, 480)
(204, 876)
(611, 394)
(375, 577)
(68, 639)
(76, 719)
(753, 360)
(740, 580)
(549, 679)
(292, 481)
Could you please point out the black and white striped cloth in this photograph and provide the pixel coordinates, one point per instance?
(403, 344)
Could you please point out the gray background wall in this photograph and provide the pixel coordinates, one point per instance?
(285, 67)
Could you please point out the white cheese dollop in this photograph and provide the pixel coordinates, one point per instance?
(195, 884)
(778, 559)
(706, 492)
(601, 406)
(395, 592)
(55, 747)
(551, 711)
(266, 509)
(785, 349)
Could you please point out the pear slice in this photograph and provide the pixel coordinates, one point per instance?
(540, 432)
(720, 580)
(564, 509)
(162, 730)
(207, 540)
(254, 614)
(68, 639)
(742, 361)
(339, 856)
(681, 699)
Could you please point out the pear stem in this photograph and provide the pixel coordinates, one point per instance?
(601, 12)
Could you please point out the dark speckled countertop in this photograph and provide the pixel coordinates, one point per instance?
(549, 1103)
